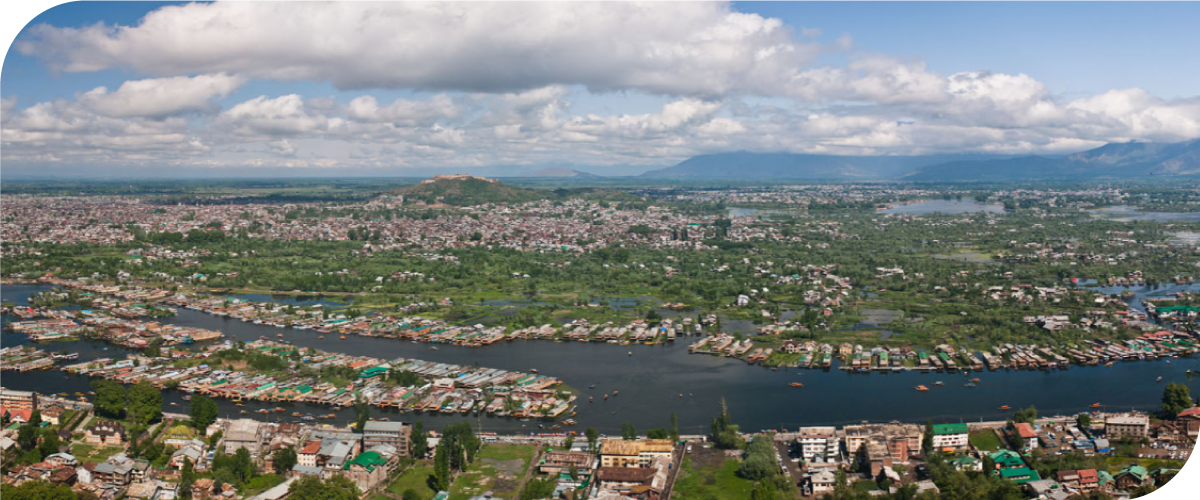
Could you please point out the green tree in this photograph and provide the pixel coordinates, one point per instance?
(628, 431)
(536, 489)
(37, 490)
(203, 411)
(1175, 399)
(440, 479)
(312, 488)
(593, 436)
(187, 477)
(1084, 421)
(27, 437)
(724, 432)
(145, 403)
(658, 434)
(763, 490)
(110, 399)
(362, 413)
(284, 459)
(411, 494)
(419, 441)
(674, 417)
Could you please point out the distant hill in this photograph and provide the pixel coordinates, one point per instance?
(466, 190)
(1127, 160)
(759, 166)
(562, 172)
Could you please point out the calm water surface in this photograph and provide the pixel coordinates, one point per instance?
(944, 207)
(653, 378)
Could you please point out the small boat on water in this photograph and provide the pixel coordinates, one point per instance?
(1005, 407)
(606, 397)
(593, 386)
(591, 399)
(172, 403)
(969, 384)
(433, 348)
(321, 337)
(921, 388)
(939, 383)
(793, 384)
(1159, 379)
(631, 353)
(534, 370)
(243, 412)
(975, 380)
(615, 393)
(343, 337)
(1095, 405)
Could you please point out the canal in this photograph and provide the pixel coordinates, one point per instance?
(657, 380)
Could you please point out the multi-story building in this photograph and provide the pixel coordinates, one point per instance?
(243, 433)
(818, 444)
(901, 440)
(1120, 426)
(950, 436)
(395, 434)
(622, 453)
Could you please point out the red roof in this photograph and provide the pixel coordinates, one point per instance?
(24, 414)
(311, 447)
(1088, 476)
(1025, 430)
(1190, 412)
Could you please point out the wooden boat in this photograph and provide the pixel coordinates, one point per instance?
(975, 380)
(793, 384)
(343, 337)
(1095, 405)
(939, 383)
(1005, 407)
(921, 388)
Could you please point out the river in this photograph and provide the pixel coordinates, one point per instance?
(651, 381)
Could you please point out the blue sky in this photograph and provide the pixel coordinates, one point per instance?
(981, 77)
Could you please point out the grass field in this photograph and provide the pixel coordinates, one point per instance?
(93, 453)
(985, 440)
(708, 479)
(498, 468)
(415, 478)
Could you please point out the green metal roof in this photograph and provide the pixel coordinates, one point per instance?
(943, 429)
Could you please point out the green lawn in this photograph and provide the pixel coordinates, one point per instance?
(985, 440)
(713, 482)
(1115, 464)
(416, 478)
(498, 468)
(93, 453)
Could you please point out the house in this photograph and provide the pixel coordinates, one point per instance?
(1042, 489)
(557, 462)
(1102, 445)
(1006, 459)
(949, 437)
(369, 469)
(105, 433)
(192, 451)
(243, 433)
(966, 463)
(1136, 426)
(1131, 477)
(53, 415)
(152, 490)
(1027, 434)
(625, 480)
(1191, 417)
(621, 453)
(820, 483)
(112, 473)
(1019, 475)
(390, 433)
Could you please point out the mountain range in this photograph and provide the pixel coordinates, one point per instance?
(1116, 161)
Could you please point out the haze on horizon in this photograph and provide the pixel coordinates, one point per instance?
(100, 89)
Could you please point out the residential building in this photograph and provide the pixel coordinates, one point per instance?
(819, 444)
(18, 400)
(1027, 434)
(395, 434)
(1119, 426)
(105, 433)
(243, 433)
(622, 453)
(950, 436)
(901, 440)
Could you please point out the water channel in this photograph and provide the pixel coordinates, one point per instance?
(657, 380)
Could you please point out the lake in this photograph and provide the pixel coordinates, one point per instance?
(651, 381)
(1126, 213)
(943, 207)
